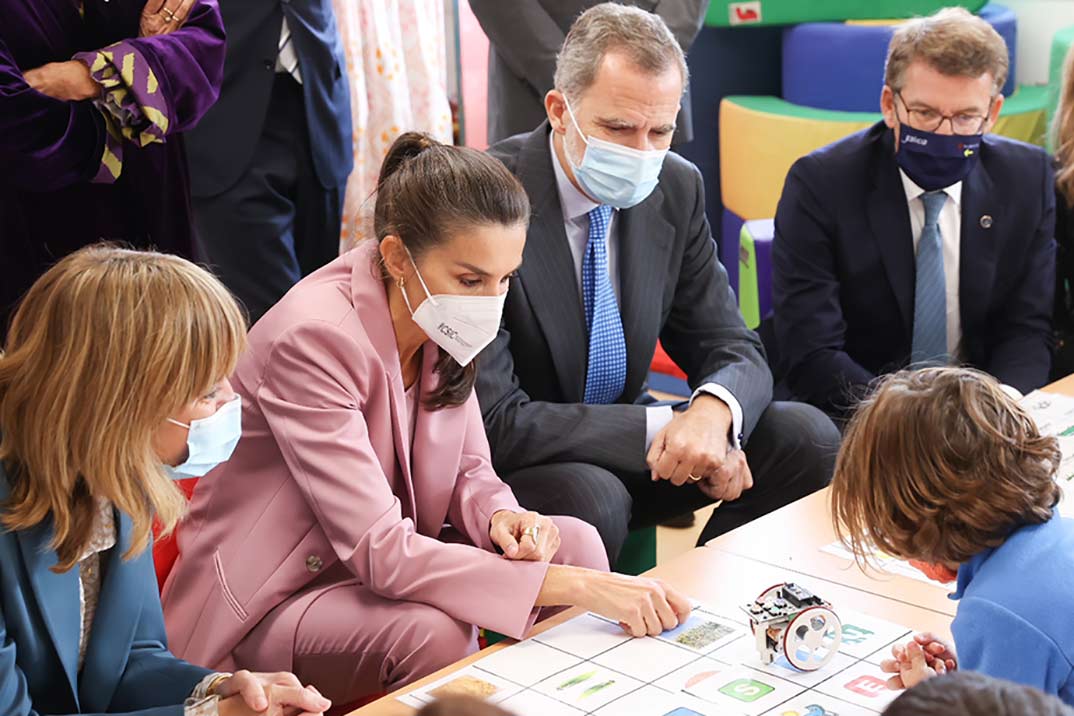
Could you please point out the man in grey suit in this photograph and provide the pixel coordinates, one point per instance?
(618, 254)
(524, 37)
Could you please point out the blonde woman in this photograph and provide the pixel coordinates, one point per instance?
(1063, 362)
(112, 381)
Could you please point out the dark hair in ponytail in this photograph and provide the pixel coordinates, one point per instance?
(427, 192)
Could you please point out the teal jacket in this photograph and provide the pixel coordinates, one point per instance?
(128, 668)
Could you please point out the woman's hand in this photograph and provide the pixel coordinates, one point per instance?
(69, 81)
(910, 666)
(525, 535)
(641, 606)
(160, 19)
(245, 693)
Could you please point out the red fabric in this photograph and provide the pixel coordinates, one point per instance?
(165, 551)
(662, 363)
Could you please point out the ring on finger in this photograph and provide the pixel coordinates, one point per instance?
(694, 478)
(169, 16)
(532, 532)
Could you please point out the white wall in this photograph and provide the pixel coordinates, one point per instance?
(1037, 22)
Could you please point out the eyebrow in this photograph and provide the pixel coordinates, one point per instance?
(615, 123)
(480, 272)
(916, 106)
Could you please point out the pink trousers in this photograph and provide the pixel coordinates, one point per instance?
(387, 644)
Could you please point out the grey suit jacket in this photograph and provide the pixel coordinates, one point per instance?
(526, 35)
(531, 379)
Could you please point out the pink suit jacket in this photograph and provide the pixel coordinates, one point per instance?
(323, 476)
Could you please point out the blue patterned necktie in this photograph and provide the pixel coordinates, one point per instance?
(930, 290)
(606, 373)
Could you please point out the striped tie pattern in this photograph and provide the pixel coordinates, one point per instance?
(930, 293)
(286, 58)
(606, 372)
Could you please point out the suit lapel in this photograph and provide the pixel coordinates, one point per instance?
(434, 440)
(977, 247)
(548, 273)
(57, 598)
(889, 219)
(370, 302)
(644, 237)
(118, 609)
(401, 434)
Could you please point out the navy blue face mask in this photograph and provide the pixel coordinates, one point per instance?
(936, 161)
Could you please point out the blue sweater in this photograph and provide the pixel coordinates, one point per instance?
(1015, 619)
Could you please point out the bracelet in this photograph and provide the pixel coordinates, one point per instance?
(210, 690)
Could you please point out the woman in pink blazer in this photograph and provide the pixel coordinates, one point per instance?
(359, 531)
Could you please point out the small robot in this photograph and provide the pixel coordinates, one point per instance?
(791, 621)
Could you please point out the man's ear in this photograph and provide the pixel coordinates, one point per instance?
(887, 106)
(555, 106)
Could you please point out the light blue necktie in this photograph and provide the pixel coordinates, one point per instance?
(930, 290)
(606, 374)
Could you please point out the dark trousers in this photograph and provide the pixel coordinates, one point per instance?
(791, 454)
(277, 223)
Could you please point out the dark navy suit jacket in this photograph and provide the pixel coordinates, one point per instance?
(843, 276)
(128, 668)
(222, 146)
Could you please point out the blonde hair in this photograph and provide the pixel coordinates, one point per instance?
(952, 41)
(939, 464)
(104, 347)
(1064, 132)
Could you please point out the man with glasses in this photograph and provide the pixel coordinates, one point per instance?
(923, 239)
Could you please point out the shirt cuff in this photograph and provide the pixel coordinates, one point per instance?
(718, 391)
(656, 418)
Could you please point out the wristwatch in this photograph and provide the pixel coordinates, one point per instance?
(208, 706)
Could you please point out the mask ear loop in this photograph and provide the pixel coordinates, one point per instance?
(425, 288)
(585, 141)
(575, 122)
(176, 422)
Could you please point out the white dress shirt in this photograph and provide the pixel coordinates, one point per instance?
(951, 235)
(286, 57)
(576, 207)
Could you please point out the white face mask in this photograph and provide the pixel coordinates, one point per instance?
(461, 325)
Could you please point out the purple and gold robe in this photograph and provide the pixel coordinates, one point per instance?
(112, 168)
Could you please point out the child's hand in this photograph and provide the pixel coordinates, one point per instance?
(937, 649)
(910, 666)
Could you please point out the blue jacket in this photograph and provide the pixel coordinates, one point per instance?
(128, 668)
(1015, 619)
(843, 267)
(223, 144)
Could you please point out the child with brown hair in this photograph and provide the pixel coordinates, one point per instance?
(941, 466)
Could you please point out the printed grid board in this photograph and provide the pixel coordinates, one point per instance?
(885, 562)
(708, 666)
(1054, 415)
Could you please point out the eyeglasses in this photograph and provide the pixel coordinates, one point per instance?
(929, 120)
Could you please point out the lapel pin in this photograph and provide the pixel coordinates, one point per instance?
(986, 222)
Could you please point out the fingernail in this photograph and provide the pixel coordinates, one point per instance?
(261, 703)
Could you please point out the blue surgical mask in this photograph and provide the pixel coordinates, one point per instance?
(936, 161)
(210, 441)
(613, 174)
